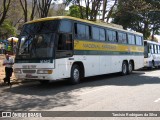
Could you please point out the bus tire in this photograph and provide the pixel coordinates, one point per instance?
(44, 82)
(152, 66)
(130, 67)
(75, 74)
(124, 68)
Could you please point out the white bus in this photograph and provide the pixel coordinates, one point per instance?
(65, 47)
(151, 54)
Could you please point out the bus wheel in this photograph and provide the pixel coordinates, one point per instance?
(43, 82)
(75, 74)
(124, 68)
(152, 66)
(130, 68)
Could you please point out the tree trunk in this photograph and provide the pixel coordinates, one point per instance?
(25, 10)
(34, 3)
(111, 10)
(104, 9)
(5, 10)
(43, 7)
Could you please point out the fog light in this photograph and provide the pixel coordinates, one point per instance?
(17, 70)
(44, 71)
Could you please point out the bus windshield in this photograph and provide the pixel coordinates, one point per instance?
(37, 40)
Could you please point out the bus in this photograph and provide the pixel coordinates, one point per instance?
(60, 47)
(151, 54)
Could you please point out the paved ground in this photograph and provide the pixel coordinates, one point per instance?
(139, 91)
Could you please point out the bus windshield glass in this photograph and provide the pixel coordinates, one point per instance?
(37, 40)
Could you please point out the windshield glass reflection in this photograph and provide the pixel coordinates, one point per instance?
(37, 40)
(37, 46)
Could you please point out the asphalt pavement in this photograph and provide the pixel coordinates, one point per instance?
(139, 91)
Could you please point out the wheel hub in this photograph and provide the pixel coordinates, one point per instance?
(76, 74)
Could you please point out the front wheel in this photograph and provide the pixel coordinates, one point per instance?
(75, 74)
(124, 68)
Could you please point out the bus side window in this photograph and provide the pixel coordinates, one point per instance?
(152, 49)
(68, 42)
(65, 42)
(111, 36)
(82, 31)
(158, 49)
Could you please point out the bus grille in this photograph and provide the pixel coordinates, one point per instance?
(29, 71)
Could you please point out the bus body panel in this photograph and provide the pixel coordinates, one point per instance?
(153, 54)
(48, 39)
(93, 65)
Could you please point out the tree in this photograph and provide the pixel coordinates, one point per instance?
(111, 11)
(74, 11)
(155, 22)
(25, 9)
(107, 9)
(5, 6)
(24, 5)
(33, 10)
(58, 9)
(93, 8)
(43, 7)
(137, 15)
(7, 30)
(15, 15)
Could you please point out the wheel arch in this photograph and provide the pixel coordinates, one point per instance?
(125, 61)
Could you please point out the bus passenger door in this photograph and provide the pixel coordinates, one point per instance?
(64, 50)
(64, 46)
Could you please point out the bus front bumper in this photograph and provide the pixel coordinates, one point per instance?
(39, 74)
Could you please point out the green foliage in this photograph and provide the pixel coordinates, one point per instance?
(138, 15)
(74, 11)
(7, 29)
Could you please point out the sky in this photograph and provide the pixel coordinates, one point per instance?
(158, 36)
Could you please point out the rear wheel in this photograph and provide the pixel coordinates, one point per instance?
(75, 74)
(124, 68)
(130, 68)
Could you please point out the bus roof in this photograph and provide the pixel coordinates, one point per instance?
(149, 41)
(81, 20)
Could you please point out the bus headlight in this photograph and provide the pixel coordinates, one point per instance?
(44, 71)
(17, 70)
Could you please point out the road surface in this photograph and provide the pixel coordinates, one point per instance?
(139, 91)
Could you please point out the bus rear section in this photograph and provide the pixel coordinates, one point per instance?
(151, 54)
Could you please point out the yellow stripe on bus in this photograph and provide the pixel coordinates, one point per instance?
(86, 45)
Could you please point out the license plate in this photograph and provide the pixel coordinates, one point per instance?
(28, 75)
